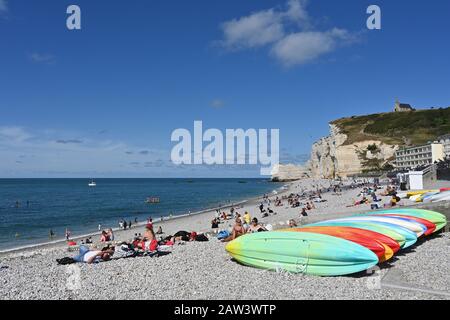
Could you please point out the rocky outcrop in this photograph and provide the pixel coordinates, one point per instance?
(331, 157)
(289, 172)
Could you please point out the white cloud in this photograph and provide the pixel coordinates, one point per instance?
(217, 104)
(44, 153)
(14, 134)
(42, 58)
(255, 30)
(3, 6)
(296, 11)
(268, 27)
(303, 47)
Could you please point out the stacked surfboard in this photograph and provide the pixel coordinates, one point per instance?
(337, 247)
(427, 195)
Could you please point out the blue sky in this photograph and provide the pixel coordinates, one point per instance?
(103, 101)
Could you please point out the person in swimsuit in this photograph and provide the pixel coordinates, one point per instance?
(255, 227)
(238, 230)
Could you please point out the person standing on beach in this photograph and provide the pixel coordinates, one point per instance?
(124, 225)
(150, 222)
(129, 224)
(67, 234)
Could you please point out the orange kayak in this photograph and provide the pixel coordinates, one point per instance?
(374, 241)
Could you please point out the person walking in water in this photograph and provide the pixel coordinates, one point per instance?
(125, 225)
(99, 227)
(52, 234)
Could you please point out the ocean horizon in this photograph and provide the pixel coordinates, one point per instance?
(31, 207)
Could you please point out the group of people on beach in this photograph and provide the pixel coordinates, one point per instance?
(145, 244)
(368, 196)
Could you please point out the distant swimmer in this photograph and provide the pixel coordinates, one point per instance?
(17, 204)
(17, 234)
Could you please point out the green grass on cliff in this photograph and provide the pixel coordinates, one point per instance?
(401, 128)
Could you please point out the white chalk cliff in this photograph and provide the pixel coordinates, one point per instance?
(332, 158)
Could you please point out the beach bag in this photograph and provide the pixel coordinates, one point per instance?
(65, 261)
(223, 234)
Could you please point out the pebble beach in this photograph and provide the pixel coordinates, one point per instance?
(203, 270)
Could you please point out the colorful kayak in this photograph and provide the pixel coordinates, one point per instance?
(369, 239)
(420, 192)
(301, 252)
(418, 228)
(441, 196)
(397, 237)
(434, 217)
(430, 226)
(426, 196)
(409, 238)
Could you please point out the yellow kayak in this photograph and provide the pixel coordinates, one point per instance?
(419, 192)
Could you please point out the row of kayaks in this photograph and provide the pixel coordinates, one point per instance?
(337, 247)
(427, 195)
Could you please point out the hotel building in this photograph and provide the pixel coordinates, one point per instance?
(445, 141)
(411, 157)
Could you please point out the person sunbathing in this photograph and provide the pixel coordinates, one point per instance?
(238, 230)
(255, 227)
(148, 241)
(292, 223)
(184, 236)
(104, 237)
(89, 256)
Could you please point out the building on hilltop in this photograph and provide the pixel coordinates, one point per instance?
(402, 107)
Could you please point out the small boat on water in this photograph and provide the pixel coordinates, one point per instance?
(152, 200)
(92, 183)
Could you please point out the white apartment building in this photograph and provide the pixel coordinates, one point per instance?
(445, 141)
(412, 157)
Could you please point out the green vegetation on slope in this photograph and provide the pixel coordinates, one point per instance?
(400, 128)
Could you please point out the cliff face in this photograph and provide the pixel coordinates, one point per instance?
(331, 157)
(368, 142)
(289, 172)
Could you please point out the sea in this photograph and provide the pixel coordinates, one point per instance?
(30, 208)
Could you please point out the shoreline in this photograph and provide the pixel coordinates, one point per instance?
(156, 222)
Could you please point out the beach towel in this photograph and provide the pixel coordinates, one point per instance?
(223, 234)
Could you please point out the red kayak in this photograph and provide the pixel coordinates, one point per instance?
(369, 239)
(430, 226)
(444, 189)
